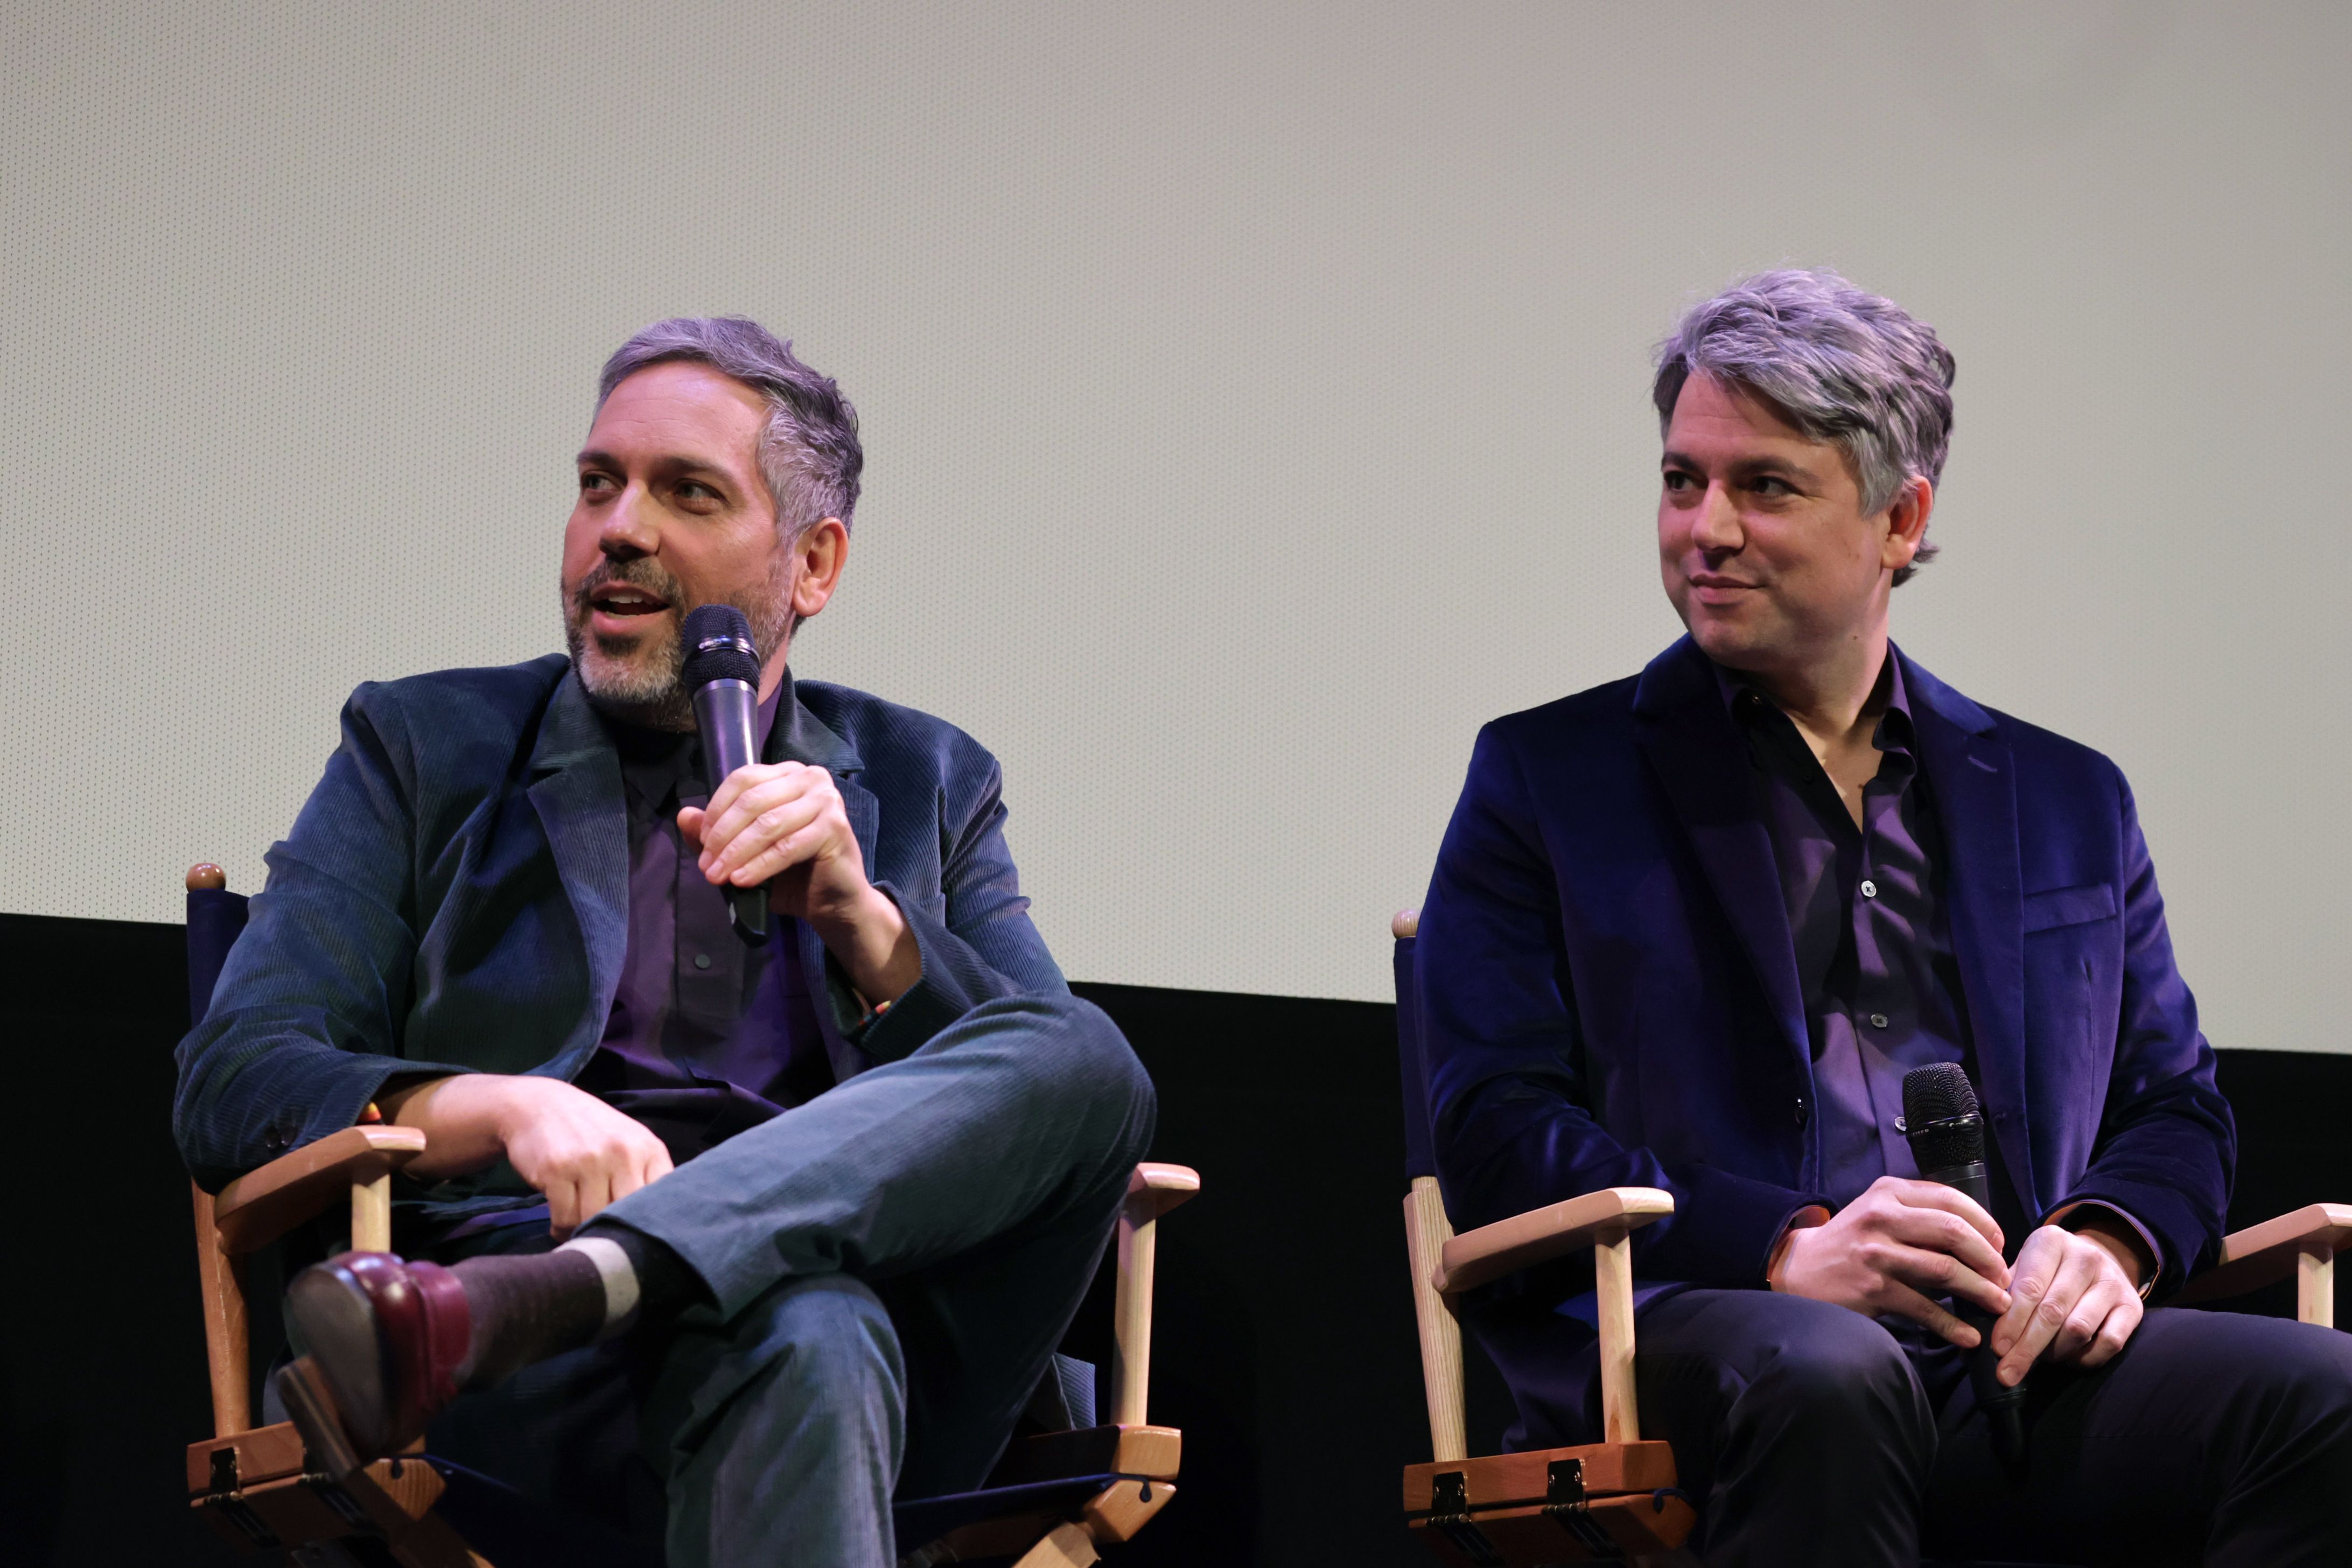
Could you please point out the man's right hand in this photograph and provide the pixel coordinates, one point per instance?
(1894, 1247)
(567, 1143)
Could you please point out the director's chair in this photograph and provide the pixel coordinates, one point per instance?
(1056, 1500)
(1616, 1499)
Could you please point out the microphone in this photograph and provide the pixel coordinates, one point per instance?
(1946, 1129)
(722, 671)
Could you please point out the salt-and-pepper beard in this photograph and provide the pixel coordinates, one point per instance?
(643, 683)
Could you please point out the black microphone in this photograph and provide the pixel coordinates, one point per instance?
(1941, 1119)
(722, 671)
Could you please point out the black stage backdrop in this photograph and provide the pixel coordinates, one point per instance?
(1283, 1342)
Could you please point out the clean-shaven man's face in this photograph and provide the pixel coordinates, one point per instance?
(672, 512)
(1765, 549)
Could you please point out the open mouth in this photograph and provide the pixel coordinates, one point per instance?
(620, 607)
(617, 600)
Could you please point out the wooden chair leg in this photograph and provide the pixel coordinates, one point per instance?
(225, 1348)
(1426, 1232)
(371, 1215)
(1138, 1244)
(1613, 1279)
(2315, 1285)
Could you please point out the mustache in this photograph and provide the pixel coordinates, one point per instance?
(643, 574)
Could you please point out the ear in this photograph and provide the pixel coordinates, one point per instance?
(1906, 523)
(824, 550)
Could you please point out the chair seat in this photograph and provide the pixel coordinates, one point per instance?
(262, 1497)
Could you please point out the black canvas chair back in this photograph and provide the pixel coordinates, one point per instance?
(1420, 1160)
(215, 917)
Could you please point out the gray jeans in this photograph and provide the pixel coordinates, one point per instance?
(890, 1269)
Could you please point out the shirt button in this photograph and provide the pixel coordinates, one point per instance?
(1869, 888)
(701, 960)
(1801, 1110)
(1878, 1020)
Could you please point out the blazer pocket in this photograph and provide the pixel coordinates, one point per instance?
(2069, 906)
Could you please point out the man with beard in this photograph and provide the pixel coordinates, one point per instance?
(720, 1242)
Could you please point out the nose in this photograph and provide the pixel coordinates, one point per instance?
(628, 529)
(1715, 530)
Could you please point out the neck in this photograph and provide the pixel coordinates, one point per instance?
(771, 674)
(1830, 698)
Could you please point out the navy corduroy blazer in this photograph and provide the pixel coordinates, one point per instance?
(1609, 996)
(454, 897)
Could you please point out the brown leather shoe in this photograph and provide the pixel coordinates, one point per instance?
(382, 1341)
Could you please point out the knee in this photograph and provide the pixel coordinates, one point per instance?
(1088, 1078)
(2297, 1377)
(1837, 1374)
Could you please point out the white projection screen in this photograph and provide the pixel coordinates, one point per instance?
(1255, 397)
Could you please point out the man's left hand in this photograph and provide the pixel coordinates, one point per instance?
(783, 824)
(2072, 1297)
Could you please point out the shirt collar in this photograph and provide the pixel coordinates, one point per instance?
(1746, 702)
(653, 761)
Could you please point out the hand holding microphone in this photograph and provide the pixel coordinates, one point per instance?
(1946, 1129)
(1899, 1248)
(778, 835)
(722, 671)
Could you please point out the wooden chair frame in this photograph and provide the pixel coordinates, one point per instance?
(262, 1491)
(2301, 1243)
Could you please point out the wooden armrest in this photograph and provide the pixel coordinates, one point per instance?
(2261, 1254)
(1155, 1189)
(261, 1206)
(1476, 1256)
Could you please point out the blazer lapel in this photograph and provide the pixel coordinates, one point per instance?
(576, 789)
(1696, 752)
(1973, 777)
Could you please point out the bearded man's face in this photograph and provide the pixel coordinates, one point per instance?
(673, 513)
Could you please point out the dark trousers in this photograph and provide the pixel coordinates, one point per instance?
(888, 1270)
(1806, 1435)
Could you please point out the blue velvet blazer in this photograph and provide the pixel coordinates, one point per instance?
(454, 897)
(1609, 993)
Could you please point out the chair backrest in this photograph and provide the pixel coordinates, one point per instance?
(1412, 1069)
(215, 917)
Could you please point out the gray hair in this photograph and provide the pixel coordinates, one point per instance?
(1839, 364)
(809, 454)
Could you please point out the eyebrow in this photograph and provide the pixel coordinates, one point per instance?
(669, 463)
(1744, 467)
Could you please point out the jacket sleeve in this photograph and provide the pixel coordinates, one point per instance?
(985, 948)
(304, 1025)
(1505, 1054)
(2167, 1145)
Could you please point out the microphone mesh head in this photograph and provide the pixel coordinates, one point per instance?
(718, 647)
(1940, 1112)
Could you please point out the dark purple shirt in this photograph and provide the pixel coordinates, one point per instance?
(1866, 911)
(708, 1035)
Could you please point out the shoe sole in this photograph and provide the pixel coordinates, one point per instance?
(335, 1323)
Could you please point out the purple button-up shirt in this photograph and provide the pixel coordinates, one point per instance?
(1874, 957)
(1866, 911)
(707, 1036)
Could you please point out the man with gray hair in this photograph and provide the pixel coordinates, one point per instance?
(1692, 929)
(720, 1242)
